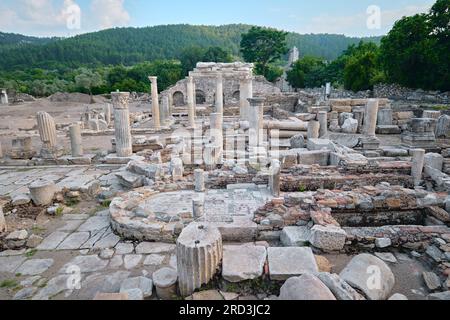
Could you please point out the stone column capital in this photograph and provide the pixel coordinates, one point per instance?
(120, 100)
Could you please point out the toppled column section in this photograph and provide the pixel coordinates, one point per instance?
(199, 254)
(124, 147)
(47, 132)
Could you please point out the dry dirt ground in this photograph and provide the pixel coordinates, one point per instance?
(20, 119)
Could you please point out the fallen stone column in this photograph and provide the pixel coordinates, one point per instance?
(124, 147)
(199, 254)
(286, 125)
(76, 140)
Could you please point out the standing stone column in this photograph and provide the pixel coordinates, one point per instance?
(107, 111)
(418, 160)
(323, 121)
(165, 110)
(199, 254)
(274, 177)
(256, 118)
(191, 100)
(155, 103)
(3, 226)
(47, 132)
(313, 129)
(216, 130)
(76, 140)
(1, 150)
(370, 141)
(219, 94)
(246, 92)
(124, 144)
(199, 177)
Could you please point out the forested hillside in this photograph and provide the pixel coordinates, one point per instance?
(128, 46)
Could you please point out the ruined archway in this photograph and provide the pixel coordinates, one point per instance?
(178, 98)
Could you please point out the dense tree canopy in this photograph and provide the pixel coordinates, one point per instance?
(263, 46)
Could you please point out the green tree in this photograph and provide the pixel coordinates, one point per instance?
(360, 71)
(217, 54)
(189, 58)
(304, 72)
(87, 79)
(263, 46)
(408, 53)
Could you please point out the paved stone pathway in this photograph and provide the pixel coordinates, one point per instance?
(79, 259)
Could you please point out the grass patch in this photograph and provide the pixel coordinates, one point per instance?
(31, 253)
(38, 230)
(301, 188)
(9, 284)
(106, 203)
(59, 211)
(440, 108)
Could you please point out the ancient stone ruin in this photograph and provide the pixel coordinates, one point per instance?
(225, 187)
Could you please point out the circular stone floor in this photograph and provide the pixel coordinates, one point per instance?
(144, 214)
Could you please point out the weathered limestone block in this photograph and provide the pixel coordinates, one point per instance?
(434, 160)
(306, 287)
(295, 236)
(350, 126)
(165, 281)
(245, 262)
(198, 208)
(431, 114)
(42, 192)
(341, 289)
(385, 117)
(320, 144)
(290, 262)
(297, 141)
(199, 254)
(370, 275)
(443, 127)
(328, 238)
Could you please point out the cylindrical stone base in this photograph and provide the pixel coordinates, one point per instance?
(199, 254)
(165, 281)
(42, 192)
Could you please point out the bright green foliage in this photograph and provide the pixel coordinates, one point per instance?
(263, 46)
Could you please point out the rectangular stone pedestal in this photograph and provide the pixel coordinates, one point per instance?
(370, 143)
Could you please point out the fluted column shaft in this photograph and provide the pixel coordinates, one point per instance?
(155, 103)
(124, 143)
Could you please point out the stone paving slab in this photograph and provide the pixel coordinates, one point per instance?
(74, 241)
(243, 262)
(10, 264)
(95, 223)
(34, 267)
(285, 263)
(53, 240)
